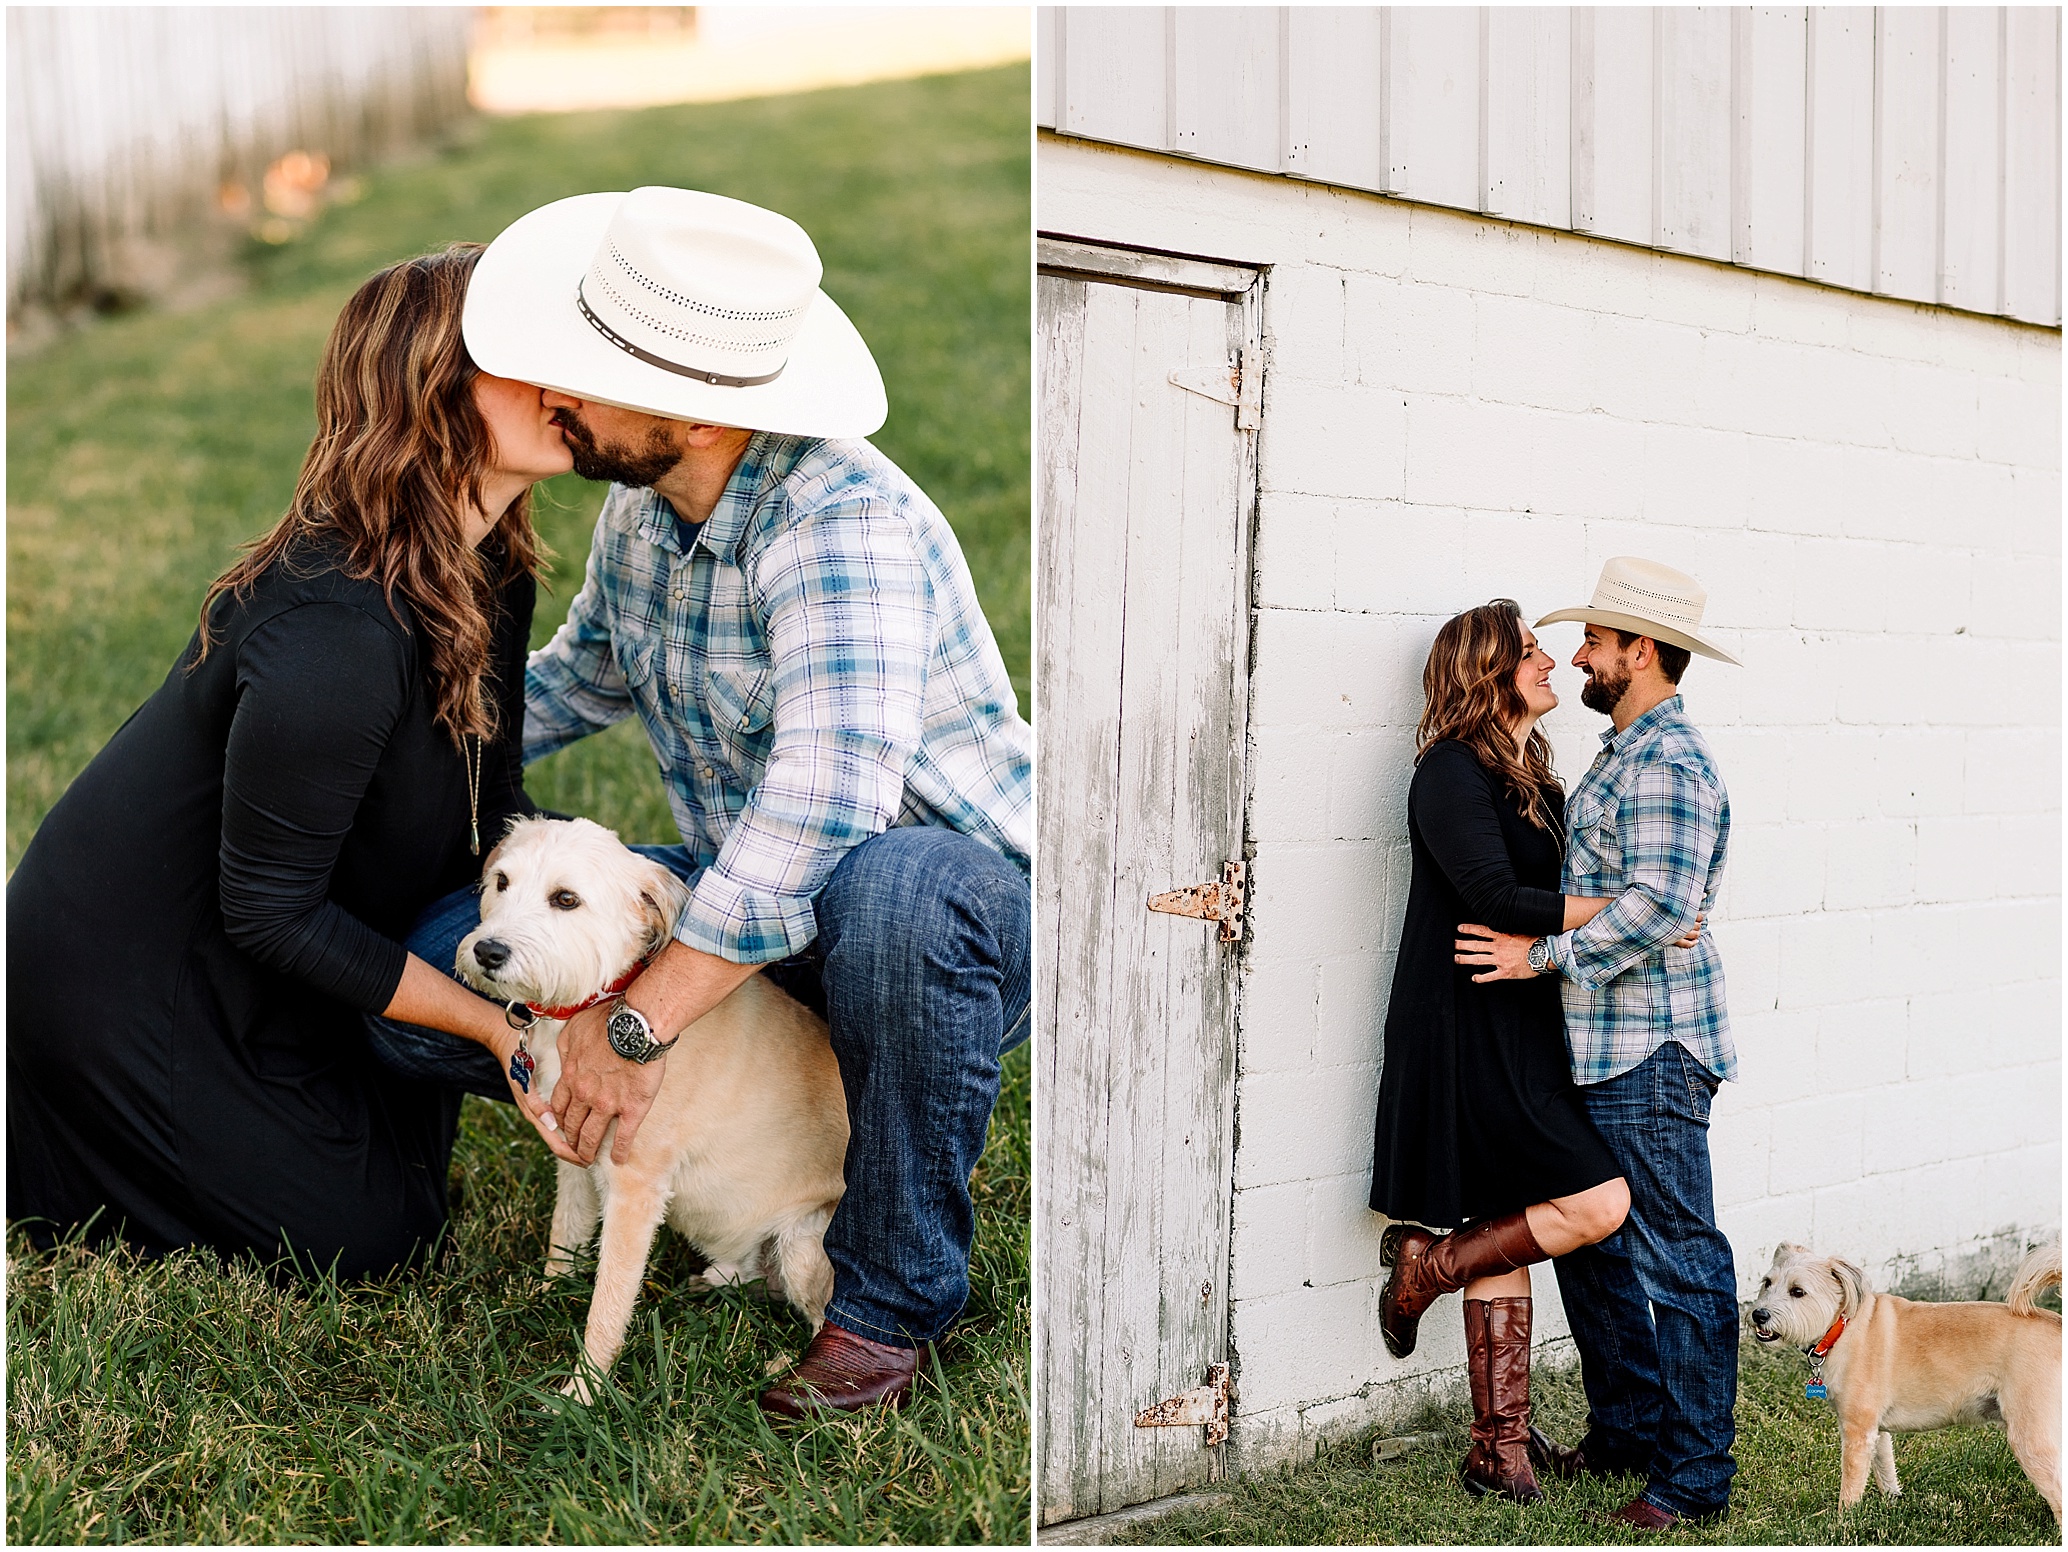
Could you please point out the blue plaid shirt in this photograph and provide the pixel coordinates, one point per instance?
(813, 669)
(1647, 826)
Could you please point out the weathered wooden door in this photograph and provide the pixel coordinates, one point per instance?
(1148, 402)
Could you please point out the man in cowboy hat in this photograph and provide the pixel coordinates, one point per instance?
(794, 624)
(1654, 1307)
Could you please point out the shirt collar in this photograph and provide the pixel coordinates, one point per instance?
(767, 460)
(1668, 710)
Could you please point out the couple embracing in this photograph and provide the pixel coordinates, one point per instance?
(270, 1059)
(1555, 1035)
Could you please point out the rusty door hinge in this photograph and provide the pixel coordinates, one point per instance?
(1207, 1404)
(1220, 902)
(1229, 384)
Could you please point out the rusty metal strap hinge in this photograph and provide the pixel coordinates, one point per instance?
(1220, 902)
(1207, 1404)
(1238, 383)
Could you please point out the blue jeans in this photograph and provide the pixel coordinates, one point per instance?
(922, 969)
(1654, 1307)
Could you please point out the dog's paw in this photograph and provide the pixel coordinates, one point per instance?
(577, 1390)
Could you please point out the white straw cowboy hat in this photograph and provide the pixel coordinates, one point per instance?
(1647, 599)
(676, 303)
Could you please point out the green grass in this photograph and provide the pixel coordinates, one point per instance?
(1961, 1486)
(180, 1402)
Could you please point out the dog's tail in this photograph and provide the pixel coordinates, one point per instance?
(2040, 1270)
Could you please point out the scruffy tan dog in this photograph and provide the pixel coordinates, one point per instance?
(1895, 1365)
(742, 1150)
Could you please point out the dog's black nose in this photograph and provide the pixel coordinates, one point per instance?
(1759, 1316)
(491, 955)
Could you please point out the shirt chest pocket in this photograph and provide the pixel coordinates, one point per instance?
(635, 658)
(1595, 848)
(740, 701)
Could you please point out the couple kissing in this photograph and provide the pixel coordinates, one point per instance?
(294, 823)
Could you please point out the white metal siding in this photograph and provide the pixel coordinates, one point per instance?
(1905, 151)
(1455, 409)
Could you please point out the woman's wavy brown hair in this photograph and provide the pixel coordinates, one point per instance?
(398, 460)
(1468, 689)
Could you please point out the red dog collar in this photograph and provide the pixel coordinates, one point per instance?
(532, 1012)
(1829, 1339)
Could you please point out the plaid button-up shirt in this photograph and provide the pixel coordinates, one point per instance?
(813, 669)
(1647, 825)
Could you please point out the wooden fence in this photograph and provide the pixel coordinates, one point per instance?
(130, 124)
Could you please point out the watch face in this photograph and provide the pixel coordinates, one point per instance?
(628, 1034)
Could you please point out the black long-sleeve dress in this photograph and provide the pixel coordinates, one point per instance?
(1478, 1115)
(202, 920)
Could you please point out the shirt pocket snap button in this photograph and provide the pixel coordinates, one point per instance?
(744, 701)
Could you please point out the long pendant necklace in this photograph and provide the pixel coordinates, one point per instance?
(474, 761)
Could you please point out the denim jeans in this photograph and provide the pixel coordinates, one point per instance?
(922, 970)
(1654, 1307)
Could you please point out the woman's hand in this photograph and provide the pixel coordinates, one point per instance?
(1694, 934)
(530, 1102)
(436, 1001)
(1502, 955)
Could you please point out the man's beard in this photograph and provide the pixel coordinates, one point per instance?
(614, 462)
(1598, 692)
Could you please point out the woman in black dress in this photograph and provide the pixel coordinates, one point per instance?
(1479, 1123)
(203, 920)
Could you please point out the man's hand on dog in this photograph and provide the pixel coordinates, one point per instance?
(596, 1085)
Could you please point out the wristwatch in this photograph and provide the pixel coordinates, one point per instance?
(1539, 959)
(632, 1037)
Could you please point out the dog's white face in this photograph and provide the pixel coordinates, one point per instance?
(1802, 1294)
(566, 909)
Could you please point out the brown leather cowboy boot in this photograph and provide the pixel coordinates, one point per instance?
(1507, 1366)
(1426, 1265)
(1477, 1469)
(1581, 1460)
(1499, 1459)
(842, 1372)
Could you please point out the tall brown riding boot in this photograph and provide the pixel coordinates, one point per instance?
(1478, 1470)
(1507, 1366)
(1497, 1462)
(1426, 1265)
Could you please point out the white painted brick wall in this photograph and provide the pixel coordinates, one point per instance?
(1457, 409)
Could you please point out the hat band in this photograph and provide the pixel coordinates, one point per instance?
(1664, 607)
(716, 379)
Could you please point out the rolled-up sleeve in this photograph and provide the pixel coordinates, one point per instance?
(320, 690)
(850, 618)
(572, 685)
(1667, 826)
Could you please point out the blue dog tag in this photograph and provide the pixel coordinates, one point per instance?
(1815, 1390)
(521, 1067)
